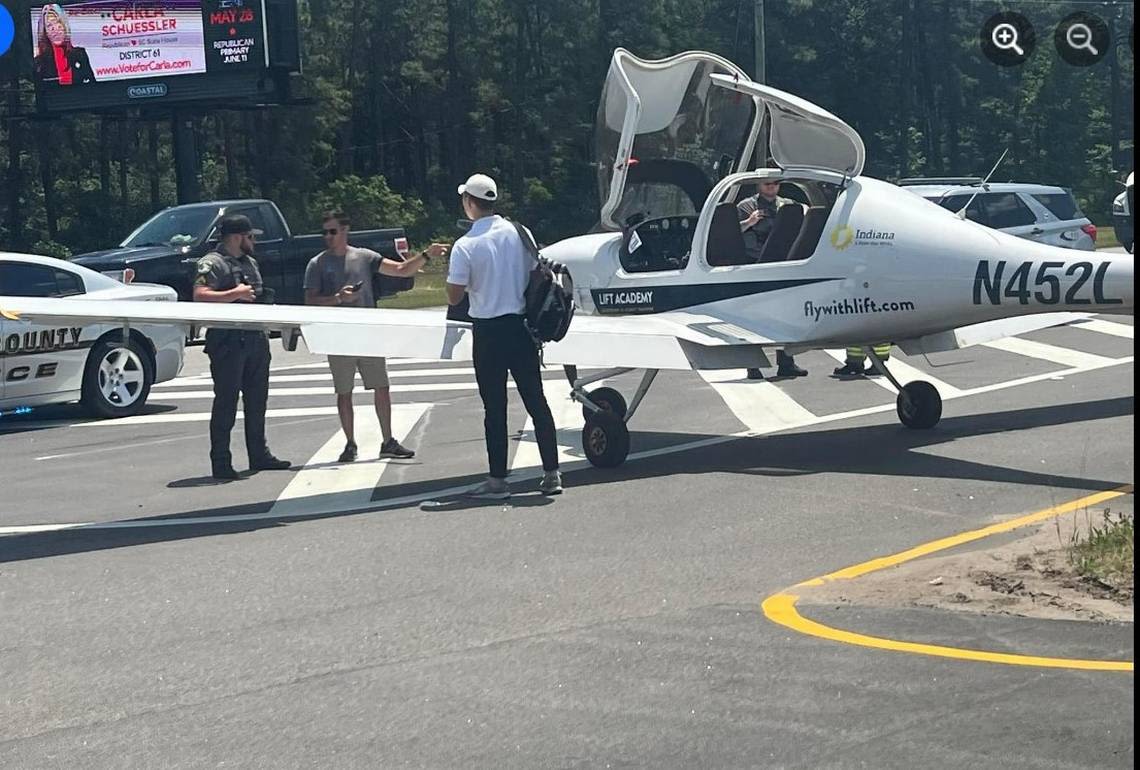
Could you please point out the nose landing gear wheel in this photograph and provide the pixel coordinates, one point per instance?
(919, 406)
(609, 400)
(605, 440)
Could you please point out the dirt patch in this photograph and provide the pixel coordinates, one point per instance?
(1030, 577)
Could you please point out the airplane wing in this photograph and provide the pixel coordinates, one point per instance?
(667, 341)
(676, 340)
(976, 334)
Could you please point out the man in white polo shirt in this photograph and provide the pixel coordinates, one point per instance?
(492, 266)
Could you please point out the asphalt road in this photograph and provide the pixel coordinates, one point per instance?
(322, 617)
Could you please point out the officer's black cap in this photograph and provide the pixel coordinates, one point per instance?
(237, 224)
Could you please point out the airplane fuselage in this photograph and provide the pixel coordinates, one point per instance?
(888, 262)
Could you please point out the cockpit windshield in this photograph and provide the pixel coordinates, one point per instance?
(665, 134)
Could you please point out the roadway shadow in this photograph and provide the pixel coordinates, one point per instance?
(204, 481)
(880, 449)
(62, 416)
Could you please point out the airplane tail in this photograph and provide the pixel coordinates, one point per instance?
(1044, 278)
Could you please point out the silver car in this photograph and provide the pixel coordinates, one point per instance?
(1037, 212)
(56, 364)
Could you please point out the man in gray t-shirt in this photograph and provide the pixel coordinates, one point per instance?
(329, 272)
(341, 275)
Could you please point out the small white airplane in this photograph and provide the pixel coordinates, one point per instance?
(668, 284)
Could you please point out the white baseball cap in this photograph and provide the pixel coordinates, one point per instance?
(480, 186)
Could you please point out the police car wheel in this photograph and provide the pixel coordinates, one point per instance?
(605, 440)
(919, 405)
(608, 400)
(117, 379)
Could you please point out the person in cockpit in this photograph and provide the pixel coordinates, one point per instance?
(757, 213)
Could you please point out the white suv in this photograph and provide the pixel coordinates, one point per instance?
(1037, 212)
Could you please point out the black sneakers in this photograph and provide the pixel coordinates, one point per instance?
(393, 448)
(270, 463)
(349, 453)
(225, 473)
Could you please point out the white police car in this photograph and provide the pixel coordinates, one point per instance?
(1038, 212)
(42, 364)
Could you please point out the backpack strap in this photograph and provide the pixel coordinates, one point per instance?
(527, 240)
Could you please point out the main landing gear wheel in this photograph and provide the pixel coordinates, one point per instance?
(919, 405)
(605, 440)
(608, 400)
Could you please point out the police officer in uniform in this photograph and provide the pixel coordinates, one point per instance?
(239, 359)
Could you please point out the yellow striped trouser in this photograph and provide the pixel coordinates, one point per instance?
(882, 352)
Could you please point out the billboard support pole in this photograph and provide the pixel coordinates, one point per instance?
(185, 157)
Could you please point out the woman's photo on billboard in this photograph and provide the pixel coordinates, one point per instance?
(57, 60)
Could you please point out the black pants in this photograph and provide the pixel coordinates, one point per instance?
(239, 362)
(501, 345)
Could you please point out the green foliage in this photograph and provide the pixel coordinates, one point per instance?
(412, 96)
(1106, 552)
(51, 249)
(370, 203)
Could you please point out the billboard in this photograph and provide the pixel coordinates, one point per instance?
(80, 43)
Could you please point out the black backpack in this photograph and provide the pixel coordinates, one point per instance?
(549, 295)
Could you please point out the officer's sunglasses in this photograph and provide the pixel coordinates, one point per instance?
(331, 231)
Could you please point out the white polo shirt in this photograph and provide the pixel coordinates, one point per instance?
(491, 261)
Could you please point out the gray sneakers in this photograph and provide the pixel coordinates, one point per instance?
(500, 489)
(551, 483)
(491, 489)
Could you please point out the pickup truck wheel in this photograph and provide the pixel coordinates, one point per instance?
(117, 379)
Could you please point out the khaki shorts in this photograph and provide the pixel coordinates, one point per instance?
(373, 371)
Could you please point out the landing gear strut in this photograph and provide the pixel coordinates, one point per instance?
(605, 437)
(918, 405)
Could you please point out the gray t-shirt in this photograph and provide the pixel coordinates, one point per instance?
(328, 273)
(755, 236)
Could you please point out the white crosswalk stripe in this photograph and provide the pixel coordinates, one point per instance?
(393, 374)
(760, 405)
(428, 387)
(346, 485)
(904, 373)
(569, 422)
(1107, 327)
(1046, 352)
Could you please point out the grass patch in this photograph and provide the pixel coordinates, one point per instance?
(429, 290)
(1105, 551)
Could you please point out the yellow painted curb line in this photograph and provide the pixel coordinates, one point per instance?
(781, 607)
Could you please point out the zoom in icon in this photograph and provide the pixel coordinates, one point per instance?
(1008, 39)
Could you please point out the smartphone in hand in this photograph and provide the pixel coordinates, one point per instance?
(356, 286)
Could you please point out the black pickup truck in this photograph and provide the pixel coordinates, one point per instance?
(165, 249)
